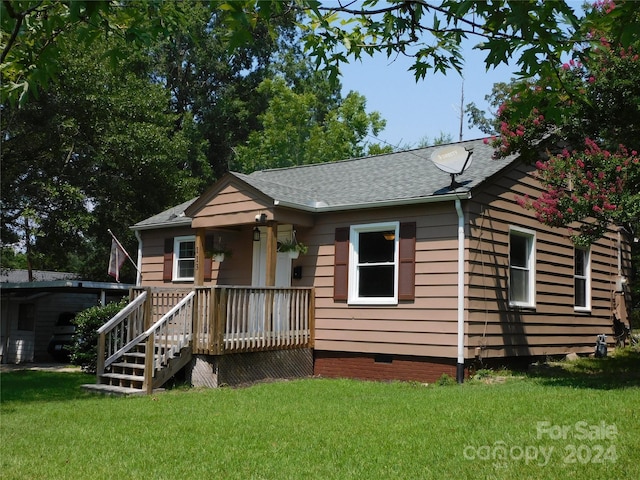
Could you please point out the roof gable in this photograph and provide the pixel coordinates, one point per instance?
(229, 184)
(391, 179)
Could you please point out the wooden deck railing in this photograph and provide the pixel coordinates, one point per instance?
(249, 319)
(216, 320)
(162, 299)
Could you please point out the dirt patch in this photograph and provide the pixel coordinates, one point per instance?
(47, 367)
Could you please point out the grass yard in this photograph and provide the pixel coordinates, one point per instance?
(577, 421)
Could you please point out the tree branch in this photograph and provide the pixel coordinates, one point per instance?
(19, 17)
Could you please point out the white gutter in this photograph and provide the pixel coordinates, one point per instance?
(183, 222)
(323, 207)
(320, 207)
(460, 363)
(139, 261)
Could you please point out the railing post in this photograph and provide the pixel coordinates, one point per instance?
(219, 321)
(195, 318)
(209, 321)
(312, 317)
(149, 366)
(101, 351)
(149, 350)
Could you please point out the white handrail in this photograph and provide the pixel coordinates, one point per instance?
(123, 313)
(144, 335)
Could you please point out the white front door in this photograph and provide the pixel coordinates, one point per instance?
(283, 261)
(279, 320)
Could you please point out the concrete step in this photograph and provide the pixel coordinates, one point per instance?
(115, 390)
(112, 389)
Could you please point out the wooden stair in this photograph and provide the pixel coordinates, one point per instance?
(127, 375)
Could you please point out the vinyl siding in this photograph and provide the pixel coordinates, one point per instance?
(425, 326)
(235, 270)
(553, 327)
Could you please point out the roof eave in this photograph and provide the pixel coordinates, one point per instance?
(448, 197)
(60, 284)
(186, 222)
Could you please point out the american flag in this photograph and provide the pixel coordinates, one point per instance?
(116, 259)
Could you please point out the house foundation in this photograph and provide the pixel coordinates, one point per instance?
(243, 368)
(367, 366)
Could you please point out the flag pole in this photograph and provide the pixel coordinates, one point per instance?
(123, 249)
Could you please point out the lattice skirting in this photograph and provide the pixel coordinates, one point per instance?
(242, 368)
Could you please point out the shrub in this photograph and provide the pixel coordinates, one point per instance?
(483, 373)
(445, 380)
(84, 351)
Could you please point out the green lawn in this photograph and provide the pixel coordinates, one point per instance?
(581, 422)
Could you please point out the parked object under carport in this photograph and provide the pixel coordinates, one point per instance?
(62, 339)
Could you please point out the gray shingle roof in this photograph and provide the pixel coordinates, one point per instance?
(389, 178)
(382, 178)
(171, 217)
(22, 276)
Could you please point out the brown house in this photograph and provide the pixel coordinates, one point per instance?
(407, 275)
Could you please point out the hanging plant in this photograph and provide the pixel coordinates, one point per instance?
(293, 247)
(218, 253)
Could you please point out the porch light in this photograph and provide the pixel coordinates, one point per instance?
(256, 234)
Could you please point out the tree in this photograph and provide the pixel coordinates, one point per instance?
(296, 130)
(217, 85)
(580, 127)
(488, 122)
(98, 149)
(441, 139)
(77, 159)
(10, 259)
(585, 142)
(534, 32)
(33, 32)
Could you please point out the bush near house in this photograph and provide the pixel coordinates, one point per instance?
(84, 351)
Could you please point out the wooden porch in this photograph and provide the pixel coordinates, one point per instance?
(157, 333)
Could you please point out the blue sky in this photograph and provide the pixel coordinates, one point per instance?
(427, 107)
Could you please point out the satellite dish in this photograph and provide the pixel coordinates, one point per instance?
(453, 159)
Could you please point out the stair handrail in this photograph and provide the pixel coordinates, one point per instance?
(144, 335)
(124, 313)
(151, 362)
(106, 356)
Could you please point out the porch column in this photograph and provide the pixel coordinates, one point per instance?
(198, 274)
(272, 254)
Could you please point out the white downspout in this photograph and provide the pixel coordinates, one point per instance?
(460, 363)
(139, 261)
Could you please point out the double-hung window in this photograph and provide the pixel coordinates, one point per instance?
(522, 267)
(582, 279)
(184, 258)
(373, 274)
